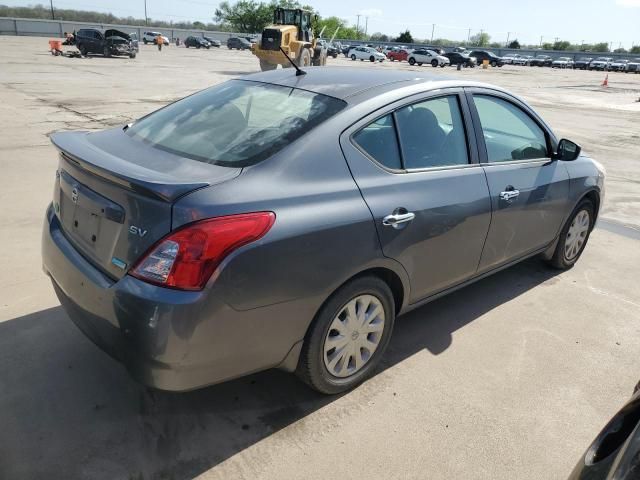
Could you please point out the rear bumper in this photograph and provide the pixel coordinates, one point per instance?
(167, 339)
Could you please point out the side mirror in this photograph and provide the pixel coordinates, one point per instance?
(567, 150)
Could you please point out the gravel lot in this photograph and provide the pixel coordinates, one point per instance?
(509, 378)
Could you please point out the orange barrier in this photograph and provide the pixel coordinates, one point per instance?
(55, 46)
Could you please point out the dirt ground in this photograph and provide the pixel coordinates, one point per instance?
(511, 377)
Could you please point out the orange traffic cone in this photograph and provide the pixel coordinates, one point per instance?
(606, 81)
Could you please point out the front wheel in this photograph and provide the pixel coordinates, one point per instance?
(574, 236)
(412, 61)
(83, 50)
(494, 64)
(348, 337)
(372, 59)
(434, 63)
(132, 55)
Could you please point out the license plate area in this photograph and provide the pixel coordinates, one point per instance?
(92, 221)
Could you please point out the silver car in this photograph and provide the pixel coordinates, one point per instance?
(285, 221)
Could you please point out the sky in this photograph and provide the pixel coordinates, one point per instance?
(613, 21)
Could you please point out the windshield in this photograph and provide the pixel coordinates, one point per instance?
(237, 123)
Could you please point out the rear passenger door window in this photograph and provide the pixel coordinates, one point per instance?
(432, 134)
(379, 141)
(509, 133)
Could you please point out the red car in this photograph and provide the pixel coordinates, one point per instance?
(398, 55)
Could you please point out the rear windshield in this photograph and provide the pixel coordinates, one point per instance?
(237, 123)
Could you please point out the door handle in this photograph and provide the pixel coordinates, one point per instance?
(397, 220)
(509, 195)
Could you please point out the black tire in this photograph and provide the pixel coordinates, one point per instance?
(83, 50)
(372, 59)
(412, 61)
(434, 63)
(559, 259)
(353, 57)
(494, 64)
(419, 64)
(145, 41)
(304, 59)
(311, 367)
(106, 52)
(132, 55)
(266, 66)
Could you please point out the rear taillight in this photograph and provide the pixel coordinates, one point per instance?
(186, 258)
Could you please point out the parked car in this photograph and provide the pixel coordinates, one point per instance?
(107, 43)
(523, 60)
(457, 58)
(387, 49)
(213, 42)
(345, 49)
(398, 55)
(562, 62)
(481, 55)
(460, 49)
(152, 37)
(196, 42)
(601, 63)
(582, 63)
(633, 66)
(510, 58)
(194, 243)
(366, 53)
(619, 65)
(541, 61)
(421, 56)
(615, 452)
(238, 43)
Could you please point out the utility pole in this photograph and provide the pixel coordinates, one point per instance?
(366, 26)
(53, 16)
(480, 38)
(146, 20)
(433, 29)
(468, 37)
(541, 37)
(508, 34)
(357, 26)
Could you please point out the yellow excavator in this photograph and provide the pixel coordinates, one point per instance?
(291, 33)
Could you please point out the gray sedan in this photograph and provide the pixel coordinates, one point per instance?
(285, 221)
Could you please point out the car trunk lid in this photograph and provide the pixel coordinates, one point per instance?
(114, 194)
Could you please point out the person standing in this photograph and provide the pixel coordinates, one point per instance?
(159, 41)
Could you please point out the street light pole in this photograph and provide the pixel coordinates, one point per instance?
(366, 26)
(358, 26)
(146, 19)
(508, 34)
(53, 16)
(433, 29)
(468, 37)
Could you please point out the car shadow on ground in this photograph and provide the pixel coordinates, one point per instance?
(69, 411)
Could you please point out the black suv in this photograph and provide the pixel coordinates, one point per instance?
(582, 63)
(481, 55)
(239, 43)
(459, 58)
(197, 42)
(541, 61)
(111, 42)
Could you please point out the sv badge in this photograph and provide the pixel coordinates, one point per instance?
(133, 230)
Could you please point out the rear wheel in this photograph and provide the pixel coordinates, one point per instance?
(494, 64)
(83, 50)
(412, 61)
(372, 58)
(574, 236)
(348, 337)
(434, 63)
(132, 55)
(353, 57)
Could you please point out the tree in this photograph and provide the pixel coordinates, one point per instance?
(620, 50)
(635, 49)
(379, 37)
(601, 47)
(514, 44)
(480, 39)
(199, 25)
(331, 24)
(561, 45)
(250, 16)
(405, 37)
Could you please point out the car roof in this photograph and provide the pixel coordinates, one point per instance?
(351, 84)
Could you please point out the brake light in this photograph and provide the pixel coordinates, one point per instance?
(186, 258)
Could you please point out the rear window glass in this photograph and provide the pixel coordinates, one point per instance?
(237, 123)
